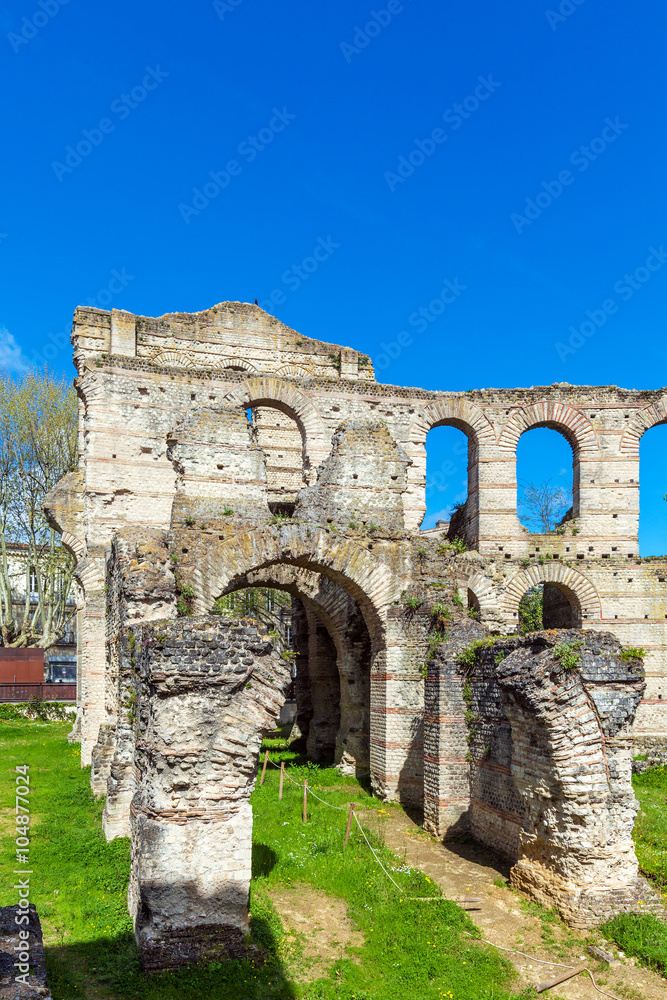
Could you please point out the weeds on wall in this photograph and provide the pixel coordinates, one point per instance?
(633, 653)
(568, 654)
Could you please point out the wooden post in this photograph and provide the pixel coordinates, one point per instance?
(305, 799)
(266, 761)
(282, 775)
(561, 979)
(349, 823)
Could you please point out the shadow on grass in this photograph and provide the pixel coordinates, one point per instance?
(110, 969)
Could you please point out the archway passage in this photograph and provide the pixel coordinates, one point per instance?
(547, 606)
(572, 586)
(545, 480)
(652, 489)
(330, 651)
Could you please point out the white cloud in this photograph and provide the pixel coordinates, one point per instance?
(11, 355)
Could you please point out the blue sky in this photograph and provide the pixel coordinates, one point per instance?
(514, 151)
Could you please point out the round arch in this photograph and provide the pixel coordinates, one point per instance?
(481, 587)
(456, 412)
(558, 416)
(347, 563)
(234, 364)
(557, 574)
(273, 392)
(642, 421)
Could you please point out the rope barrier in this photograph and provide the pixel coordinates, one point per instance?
(432, 899)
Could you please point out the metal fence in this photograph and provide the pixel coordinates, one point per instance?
(45, 692)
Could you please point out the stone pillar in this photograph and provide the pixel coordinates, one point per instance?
(397, 711)
(91, 668)
(207, 690)
(446, 751)
(324, 690)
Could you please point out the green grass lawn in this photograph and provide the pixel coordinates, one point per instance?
(644, 936)
(411, 949)
(651, 826)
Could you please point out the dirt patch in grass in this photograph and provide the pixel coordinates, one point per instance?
(317, 929)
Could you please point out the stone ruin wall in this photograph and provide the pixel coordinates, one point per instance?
(175, 501)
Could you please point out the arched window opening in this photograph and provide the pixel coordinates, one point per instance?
(545, 481)
(474, 609)
(652, 490)
(279, 437)
(546, 606)
(447, 481)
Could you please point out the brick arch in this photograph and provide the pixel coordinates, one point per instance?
(456, 412)
(459, 412)
(570, 422)
(481, 586)
(561, 575)
(274, 392)
(641, 422)
(326, 597)
(344, 561)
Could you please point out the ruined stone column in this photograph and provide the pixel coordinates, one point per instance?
(571, 732)
(207, 691)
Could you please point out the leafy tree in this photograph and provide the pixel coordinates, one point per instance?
(264, 605)
(38, 445)
(543, 505)
(531, 610)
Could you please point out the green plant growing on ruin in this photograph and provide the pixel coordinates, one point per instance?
(412, 602)
(227, 511)
(633, 653)
(183, 610)
(435, 639)
(457, 545)
(440, 614)
(499, 657)
(280, 519)
(457, 599)
(568, 654)
(468, 656)
(189, 521)
(174, 557)
(335, 360)
(422, 553)
(474, 614)
(575, 529)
